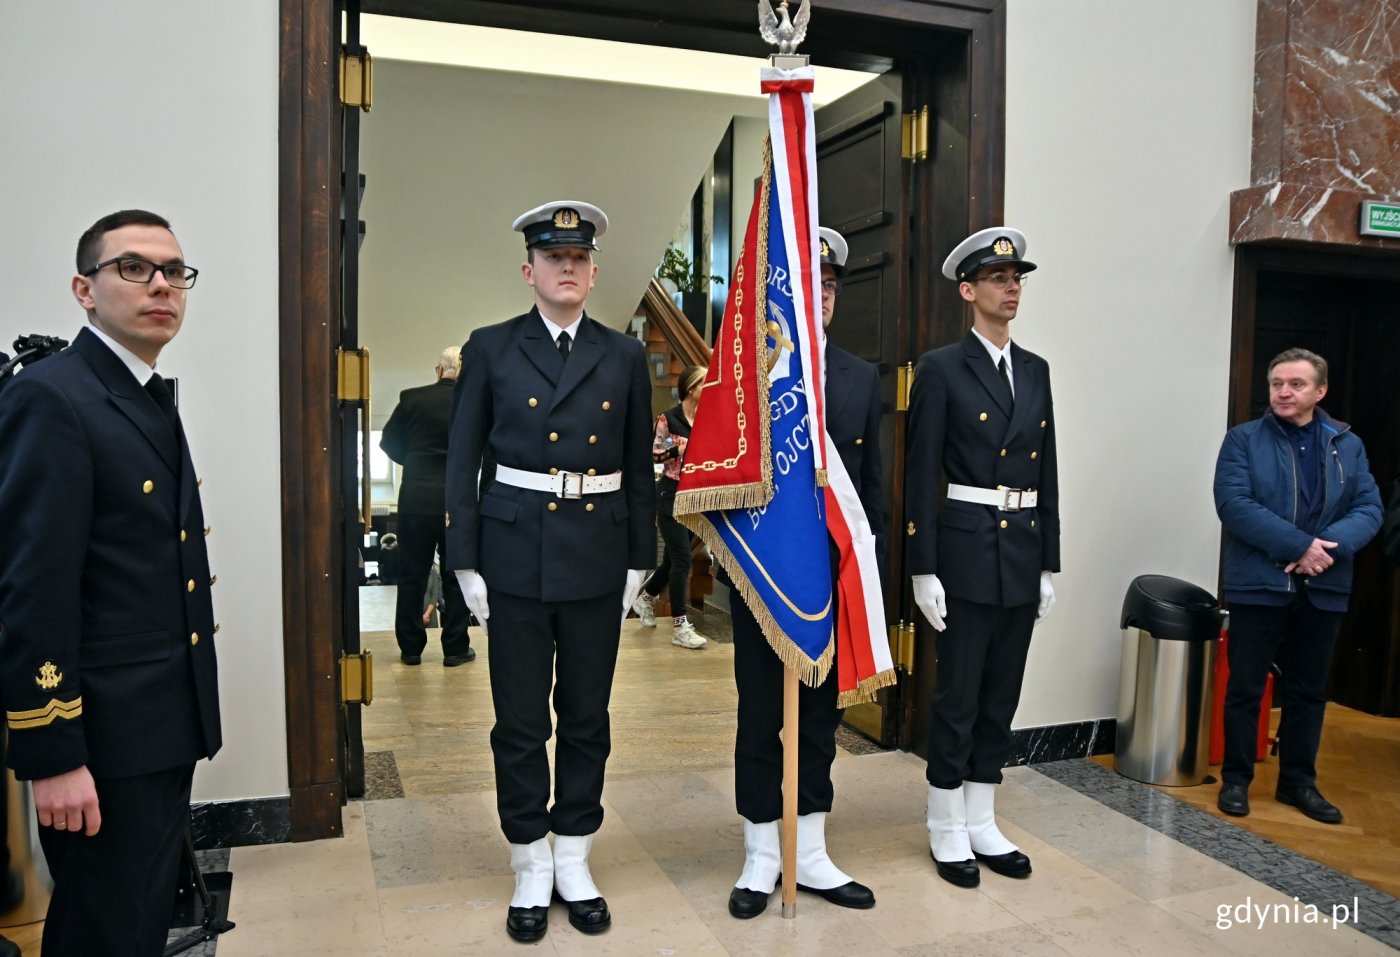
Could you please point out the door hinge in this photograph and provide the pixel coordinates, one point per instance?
(357, 678)
(352, 374)
(356, 79)
(914, 135)
(903, 387)
(902, 642)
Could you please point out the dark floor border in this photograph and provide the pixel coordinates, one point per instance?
(1286, 871)
(240, 823)
(1057, 742)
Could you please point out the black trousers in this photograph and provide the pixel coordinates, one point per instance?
(674, 569)
(419, 537)
(114, 892)
(758, 748)
(571, 646)
(981, 660)
(1300, 638)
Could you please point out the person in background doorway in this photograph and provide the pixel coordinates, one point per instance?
(668, 448)
(416, 437)
(1295, 494)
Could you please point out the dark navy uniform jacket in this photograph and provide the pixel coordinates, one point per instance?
(521, 404)
(853, 422)
(416, 437)
(960, 428)
(107, 655)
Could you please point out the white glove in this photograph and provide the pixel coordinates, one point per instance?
(474, 593)
(633, 588)
(929, 596)
(1047, 597)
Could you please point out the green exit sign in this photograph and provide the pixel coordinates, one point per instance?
(1380, 219)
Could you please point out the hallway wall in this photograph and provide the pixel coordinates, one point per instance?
(1127, 126)
(171, 105)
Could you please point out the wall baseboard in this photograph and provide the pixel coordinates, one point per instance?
(1058, 742)
(241, 823)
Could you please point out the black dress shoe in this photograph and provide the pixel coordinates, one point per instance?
(527, 923)
(1311, 803)
(411, 659)
(849, 894)
(1234, 799)
(961, 873)
(744, 903)
(1010, 864)
(590, 916)
(452, 661)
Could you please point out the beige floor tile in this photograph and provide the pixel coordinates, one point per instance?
(1021, 940)
(1128, 930)
(1231, 918)
(280, 871)
(451, 918)
(346, 924)
(1060, 886)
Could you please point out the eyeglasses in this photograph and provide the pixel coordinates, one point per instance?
(1001, 280)
(132, 269)
(830, 287)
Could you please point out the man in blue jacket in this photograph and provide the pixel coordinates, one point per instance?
(1295, 494)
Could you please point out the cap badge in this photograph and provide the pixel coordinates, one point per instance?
(1003, 247)
(566, 218)
(826, 250)
(48, 677)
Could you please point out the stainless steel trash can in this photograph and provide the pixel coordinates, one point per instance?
(25, 884)
(1170, 629)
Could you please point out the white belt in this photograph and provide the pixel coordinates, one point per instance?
(1005, 499)
(562, 484)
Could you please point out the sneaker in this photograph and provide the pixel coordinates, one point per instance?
(642, 606)
(687, 637)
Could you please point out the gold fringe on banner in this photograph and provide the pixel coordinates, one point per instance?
(865, 691)
(822, 481)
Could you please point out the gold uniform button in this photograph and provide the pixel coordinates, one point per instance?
(593, 440)
(860, 441)
(592, 471)
(1032, 523)
(148, 486)
(194, 637)
(553, 506)
(910, 529)
(1042, 423)
(1003, 523)
(534, 402)
(189, 585)
(554, 436)
(1035, 454)
(607, 406)
(1003, 453)
(588, 507)
(553, 471)
(982, 417)
(182, 535)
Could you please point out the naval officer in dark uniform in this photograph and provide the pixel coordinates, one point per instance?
(107, 656)
(416, 437)
(552, 552)
(853, 422)
(981, 416)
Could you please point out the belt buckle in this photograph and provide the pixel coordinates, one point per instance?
(1006, 505)
(565, 478)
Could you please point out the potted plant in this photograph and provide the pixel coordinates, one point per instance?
(677, 273)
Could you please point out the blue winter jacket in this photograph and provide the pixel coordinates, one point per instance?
(1256, 497)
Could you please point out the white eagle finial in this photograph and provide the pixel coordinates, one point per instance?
(777, 29)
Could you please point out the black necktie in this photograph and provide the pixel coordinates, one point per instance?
(564, 344)
(159, 391)
(1005, 371)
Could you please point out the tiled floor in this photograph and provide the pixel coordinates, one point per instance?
(427, 873)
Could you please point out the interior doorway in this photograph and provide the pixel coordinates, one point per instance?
(960, 44)
(1346, 308)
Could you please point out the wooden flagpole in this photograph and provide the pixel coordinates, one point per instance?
(790, 737)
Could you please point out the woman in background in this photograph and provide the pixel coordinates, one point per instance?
(668, 449)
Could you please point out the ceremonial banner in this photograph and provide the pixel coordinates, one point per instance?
(762, 483)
